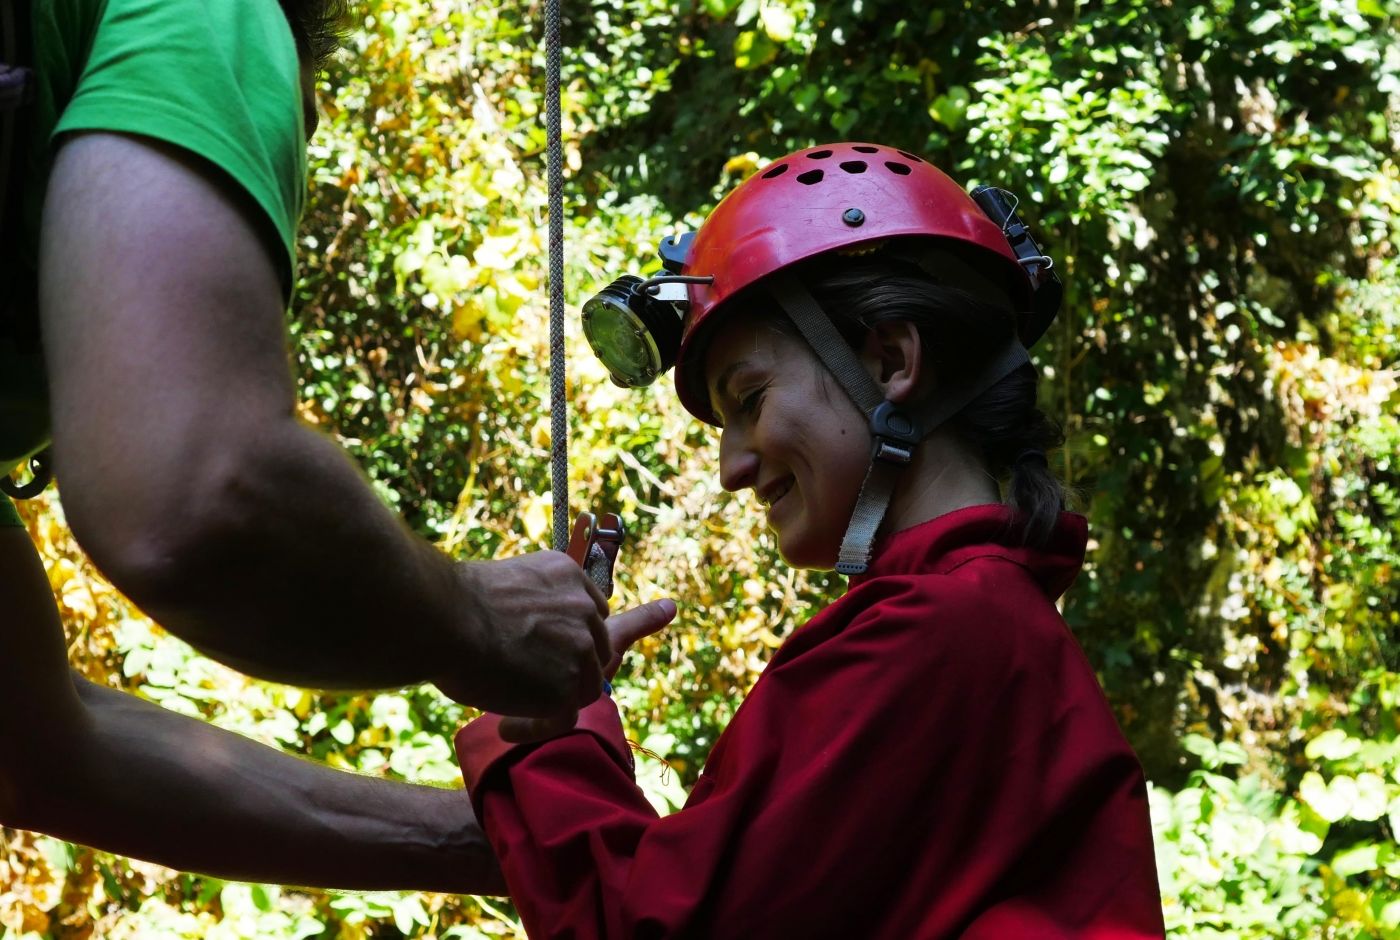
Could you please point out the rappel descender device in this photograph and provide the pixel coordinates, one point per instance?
(594, 546)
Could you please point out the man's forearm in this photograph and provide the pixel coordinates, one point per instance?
(281, 562)
(143, 781)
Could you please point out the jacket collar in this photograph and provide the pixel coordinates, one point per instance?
(940, 545)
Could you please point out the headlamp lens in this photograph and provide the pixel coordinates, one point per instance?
(620, 337)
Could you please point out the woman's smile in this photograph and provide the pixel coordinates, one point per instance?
(775, 491)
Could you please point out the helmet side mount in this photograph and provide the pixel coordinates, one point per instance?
(675, 250)
(1046, 290)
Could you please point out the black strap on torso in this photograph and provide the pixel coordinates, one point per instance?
(18, 290)
(19, 293)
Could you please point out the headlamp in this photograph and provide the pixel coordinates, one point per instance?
(634, 325)
(635, 334)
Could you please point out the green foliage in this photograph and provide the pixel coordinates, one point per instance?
(1219, 185)
(1239, 859)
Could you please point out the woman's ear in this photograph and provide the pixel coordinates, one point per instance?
(893, 353)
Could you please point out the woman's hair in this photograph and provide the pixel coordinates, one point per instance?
(318, 27)
(960, 332)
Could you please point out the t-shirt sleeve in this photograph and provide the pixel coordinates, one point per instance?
(218, 78)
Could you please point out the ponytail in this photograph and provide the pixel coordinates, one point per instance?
(1016, 438)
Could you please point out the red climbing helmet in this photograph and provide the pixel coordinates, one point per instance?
(851, 199)
(836, 197)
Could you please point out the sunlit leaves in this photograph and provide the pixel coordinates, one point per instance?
(1214, 755)
(950, 108)
(1332, 800)
(1334, 744)
(1219, 188)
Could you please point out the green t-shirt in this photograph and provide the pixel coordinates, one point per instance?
(218, 78)
(8, 516)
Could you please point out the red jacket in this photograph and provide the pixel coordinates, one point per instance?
(931, 756)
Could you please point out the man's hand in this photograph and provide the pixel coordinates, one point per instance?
(533, 640)
(624, 629)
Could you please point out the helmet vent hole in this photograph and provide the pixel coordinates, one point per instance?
(866, 149)
(778, 170)
(818, 154)
(813, 176)
(854, 166)
(898, 168)
(910, 156)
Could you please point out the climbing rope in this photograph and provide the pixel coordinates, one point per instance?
(558, 401)
(593, 541)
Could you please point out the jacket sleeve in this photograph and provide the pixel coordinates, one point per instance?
(566, 817)
(854, 779)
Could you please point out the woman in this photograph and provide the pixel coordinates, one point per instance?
(931, 755)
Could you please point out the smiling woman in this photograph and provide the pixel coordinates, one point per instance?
(801, 450)
(919, 339)
(934, 742)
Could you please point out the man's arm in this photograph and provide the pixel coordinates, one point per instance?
(103, 768)
(189, 481)
(143, 781)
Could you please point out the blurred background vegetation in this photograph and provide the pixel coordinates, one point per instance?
(1218, 182)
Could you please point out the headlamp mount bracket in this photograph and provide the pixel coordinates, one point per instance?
(674, 251)
(671, 288)
(1000, 206)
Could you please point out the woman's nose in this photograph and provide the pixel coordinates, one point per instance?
(738, 464)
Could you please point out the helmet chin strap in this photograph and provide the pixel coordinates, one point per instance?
(896, 433)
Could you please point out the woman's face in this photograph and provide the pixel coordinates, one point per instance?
(797, 442)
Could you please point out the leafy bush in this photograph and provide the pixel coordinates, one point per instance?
(1218, 183)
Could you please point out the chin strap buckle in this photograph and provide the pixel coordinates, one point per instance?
(896, 433)
(890, 452)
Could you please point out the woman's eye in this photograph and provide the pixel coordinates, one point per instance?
(750, 403)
